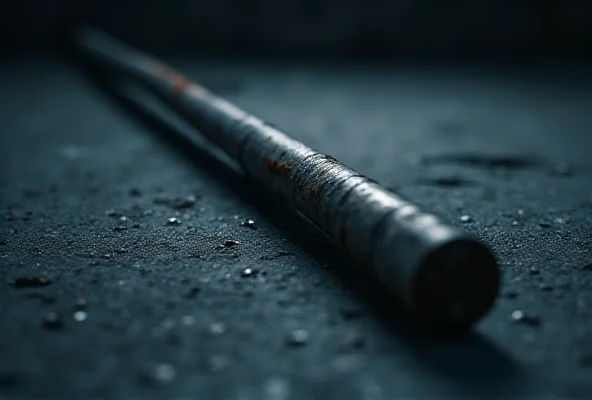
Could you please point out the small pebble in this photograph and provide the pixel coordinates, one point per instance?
(465, 218)
(79, 316)
(30, 281)
(3, 242)
(81, 303)
(135, 192)
(249, 223)
(119, 228)
(53, 321)
(181, 203)
(173, 221)
(298, 338)
(544, 224)
(188, 320)
(227, 243)
(112, 213)
(123, 218)
(520, 317)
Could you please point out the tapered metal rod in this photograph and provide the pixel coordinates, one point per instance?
(444, 275)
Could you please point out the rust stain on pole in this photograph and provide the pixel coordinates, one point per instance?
(176, 80)
(279, 168)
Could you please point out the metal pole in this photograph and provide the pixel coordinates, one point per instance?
(444, 275)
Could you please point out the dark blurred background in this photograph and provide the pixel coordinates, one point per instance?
(326, 28)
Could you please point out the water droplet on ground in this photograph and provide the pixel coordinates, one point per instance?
(30, 281)
(249, 223)
(248, 272)
(521, 317)
(53, 321)
(465, 218)
(297, 338)
(79, 316)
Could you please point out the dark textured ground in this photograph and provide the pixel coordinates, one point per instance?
(169, 315)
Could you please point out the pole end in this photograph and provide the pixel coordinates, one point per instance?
(456, 284)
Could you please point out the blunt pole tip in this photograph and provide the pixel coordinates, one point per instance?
(456, 284)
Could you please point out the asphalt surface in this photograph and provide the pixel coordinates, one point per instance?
(115, 283)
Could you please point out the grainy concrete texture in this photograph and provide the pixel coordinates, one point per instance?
(147, 296)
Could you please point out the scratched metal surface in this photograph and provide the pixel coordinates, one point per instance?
(171, 315)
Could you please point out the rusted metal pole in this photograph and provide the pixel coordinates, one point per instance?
(445, 276)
